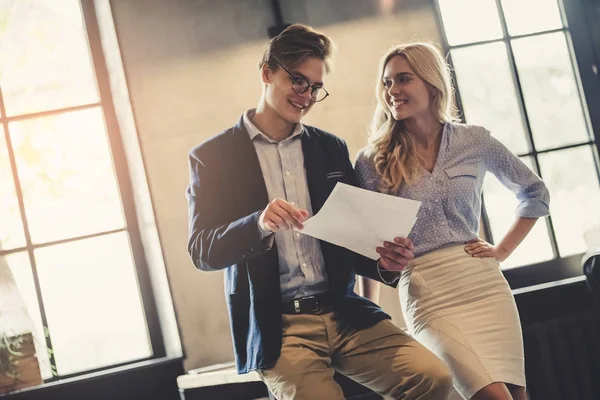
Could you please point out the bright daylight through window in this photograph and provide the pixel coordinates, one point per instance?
(63, 231)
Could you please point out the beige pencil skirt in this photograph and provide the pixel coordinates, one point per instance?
(461, 308)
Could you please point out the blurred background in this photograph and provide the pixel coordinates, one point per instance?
(101, 100)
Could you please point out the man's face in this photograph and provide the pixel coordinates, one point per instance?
(280, 95)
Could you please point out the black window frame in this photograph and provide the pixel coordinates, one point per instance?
(122, 173)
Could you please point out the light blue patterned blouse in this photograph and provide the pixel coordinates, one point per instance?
(451, 193)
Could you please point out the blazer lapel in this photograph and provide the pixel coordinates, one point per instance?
(314, 164)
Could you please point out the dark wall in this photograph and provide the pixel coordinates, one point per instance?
(592, 12)
(561, 332)
(584, 25)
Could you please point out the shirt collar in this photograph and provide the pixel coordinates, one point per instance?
(253, 131)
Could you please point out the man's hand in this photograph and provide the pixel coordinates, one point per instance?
(396, 255)
(281, 215)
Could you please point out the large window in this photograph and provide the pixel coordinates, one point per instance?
(67, 222)
(517, 75)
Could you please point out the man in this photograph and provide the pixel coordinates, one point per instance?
(294, 315)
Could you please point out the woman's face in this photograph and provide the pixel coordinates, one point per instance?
(406, 95)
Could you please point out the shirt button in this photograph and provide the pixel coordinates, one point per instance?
(303, 265)
(297, 234)
(287, 173)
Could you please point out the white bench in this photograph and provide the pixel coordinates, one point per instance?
(202, 382)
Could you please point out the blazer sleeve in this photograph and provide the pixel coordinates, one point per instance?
(215, 243)
(369, 269)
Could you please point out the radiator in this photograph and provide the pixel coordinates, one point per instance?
(562, 358)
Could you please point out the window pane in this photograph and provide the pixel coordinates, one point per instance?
(66, 174)
(21, 271)
(550, 91)
(574, 195)
(11, 227)
(93, 303)
(500, 205)
(531, 16)
(468, 21)
(44, 58)
(488, 93)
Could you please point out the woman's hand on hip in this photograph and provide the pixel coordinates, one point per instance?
(480, 248)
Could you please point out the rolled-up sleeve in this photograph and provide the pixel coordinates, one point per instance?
(530, 190)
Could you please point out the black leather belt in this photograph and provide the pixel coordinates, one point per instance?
(316, 304)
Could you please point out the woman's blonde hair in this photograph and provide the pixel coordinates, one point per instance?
(390, 148)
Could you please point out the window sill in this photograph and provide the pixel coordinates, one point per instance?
(157, 377)
(532, 276)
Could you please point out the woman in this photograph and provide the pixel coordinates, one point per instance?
(454, 298)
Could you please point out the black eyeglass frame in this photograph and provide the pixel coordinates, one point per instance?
(313, 88)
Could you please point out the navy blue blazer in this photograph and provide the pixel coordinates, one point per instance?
(225, 195)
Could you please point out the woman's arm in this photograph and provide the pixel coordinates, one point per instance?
(530, 190)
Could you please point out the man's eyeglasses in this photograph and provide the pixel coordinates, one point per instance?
(301, 85)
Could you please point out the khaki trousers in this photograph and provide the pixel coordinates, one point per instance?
(382, 358)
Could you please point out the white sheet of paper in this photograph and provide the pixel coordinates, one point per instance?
(361, 220)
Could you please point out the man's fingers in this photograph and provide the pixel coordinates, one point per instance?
(288, 220)
(399, 249)
(394, 258)
(274, 222)
(291, 210)
(304, 212)
(405, 242)
(390, 264)
(297, 224)
(397, 258)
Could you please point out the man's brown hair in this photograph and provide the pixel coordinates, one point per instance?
(295, 44)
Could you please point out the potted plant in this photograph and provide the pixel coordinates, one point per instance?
(10, 353)
(19, 367)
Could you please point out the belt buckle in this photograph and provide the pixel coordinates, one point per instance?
(297, 303)
(317, 306)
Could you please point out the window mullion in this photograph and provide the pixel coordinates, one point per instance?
(29, 245)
